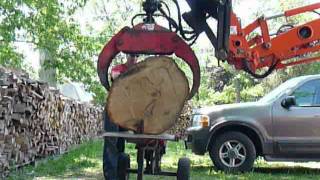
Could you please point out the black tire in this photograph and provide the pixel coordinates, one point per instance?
(247, 148)
(123, 166)
(183, 172)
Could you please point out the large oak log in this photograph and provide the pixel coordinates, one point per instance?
(149, 97)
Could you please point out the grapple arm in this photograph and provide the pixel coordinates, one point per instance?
(154, 40)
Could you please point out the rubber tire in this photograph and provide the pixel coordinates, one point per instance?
(123, 165)
(242, 138)
(183, 172)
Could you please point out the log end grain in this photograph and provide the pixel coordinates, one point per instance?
(150, 94)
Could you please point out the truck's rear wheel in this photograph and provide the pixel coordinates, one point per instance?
(233, 152)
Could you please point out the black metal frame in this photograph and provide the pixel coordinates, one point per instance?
(219, 10)
(155, 160)
(143, 148)
(201, 10)
(150, 7)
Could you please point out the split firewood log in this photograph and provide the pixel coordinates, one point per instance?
(149, 97)
(184, 121)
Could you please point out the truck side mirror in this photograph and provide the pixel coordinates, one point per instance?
(288, 102)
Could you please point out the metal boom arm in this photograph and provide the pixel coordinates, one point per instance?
(232, 42)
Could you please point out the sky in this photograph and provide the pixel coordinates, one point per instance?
(245, 10)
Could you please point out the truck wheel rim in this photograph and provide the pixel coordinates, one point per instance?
(232, 153)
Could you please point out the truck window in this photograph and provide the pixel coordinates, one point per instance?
(308, 94)
(277, 92)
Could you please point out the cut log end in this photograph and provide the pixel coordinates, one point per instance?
(149, 97)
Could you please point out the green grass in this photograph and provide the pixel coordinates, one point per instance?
(85, 162)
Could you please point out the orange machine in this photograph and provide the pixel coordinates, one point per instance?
(274, 51)
(249, 49)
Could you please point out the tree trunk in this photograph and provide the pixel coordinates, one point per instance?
(238, 90)
(149, 97)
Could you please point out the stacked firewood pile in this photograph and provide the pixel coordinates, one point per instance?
(183, 122)
(37, 121)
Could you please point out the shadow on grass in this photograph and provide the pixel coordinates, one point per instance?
(77, 162)
(65, 165)
(268, 170)
(259, 172)
(287, 170)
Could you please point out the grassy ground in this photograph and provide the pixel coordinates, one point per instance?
(85, 162)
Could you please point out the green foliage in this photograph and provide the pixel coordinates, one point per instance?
(8, 57)
(253, 93)
(50, 27)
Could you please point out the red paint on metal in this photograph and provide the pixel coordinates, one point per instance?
(138, 40)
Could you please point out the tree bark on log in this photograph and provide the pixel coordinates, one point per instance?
(149, 97)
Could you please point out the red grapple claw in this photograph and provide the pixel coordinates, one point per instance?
(140, 40)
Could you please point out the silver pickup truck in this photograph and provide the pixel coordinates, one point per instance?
(282, 126)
